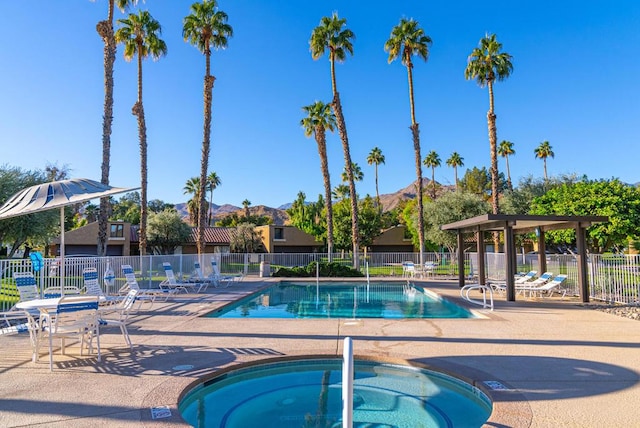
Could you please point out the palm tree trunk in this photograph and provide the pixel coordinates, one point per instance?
(138, 111)
(324, 167)
(377, 192)
(506, 158)
(105, 30)
(342, 129)
(415, 131)
(455, 173)
(210, 210)
(544, 160)
(493, 138)
(491, 121)
(433, 181)
(411, 99)
(204, 163)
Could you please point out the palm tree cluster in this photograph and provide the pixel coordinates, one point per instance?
(192, 187)
(140, 34)
(206, 28)
(331, 36)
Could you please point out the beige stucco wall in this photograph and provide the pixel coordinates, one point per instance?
(88, 235)
(292, 237)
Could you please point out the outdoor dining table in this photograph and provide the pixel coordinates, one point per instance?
(49, 303)
(30, 306)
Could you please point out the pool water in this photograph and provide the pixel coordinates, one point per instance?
(343, 300)
(307, 393)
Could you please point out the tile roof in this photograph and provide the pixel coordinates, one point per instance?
(212, 235)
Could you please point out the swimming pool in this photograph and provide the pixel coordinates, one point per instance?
(307, 393)
(343, 300)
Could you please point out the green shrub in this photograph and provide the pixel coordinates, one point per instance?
(332, 269)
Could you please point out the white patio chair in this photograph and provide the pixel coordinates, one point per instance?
(501, 286)
(73, 317)
(28, 290)
(26, 285)
(118, 315)
(548, 288)
(56, 291)
(92, 287)
(172, 283)
(220, 279)
(144, 294)
(408, 269)
(197, 277)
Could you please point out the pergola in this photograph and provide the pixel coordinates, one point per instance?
(512, 224)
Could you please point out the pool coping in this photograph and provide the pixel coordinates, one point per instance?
(514, 412)
(558, 362)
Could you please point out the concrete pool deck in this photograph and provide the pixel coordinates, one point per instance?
(559, 363)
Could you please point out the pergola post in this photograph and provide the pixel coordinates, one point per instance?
(480, 250)
(542, 251)
(460, 258)
(509, 254)
(583, 283)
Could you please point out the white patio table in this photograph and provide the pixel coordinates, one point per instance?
(34, 330)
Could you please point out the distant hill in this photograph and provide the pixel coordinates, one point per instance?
(389, 201)
(279, 216)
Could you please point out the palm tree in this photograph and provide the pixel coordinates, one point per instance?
(319, 119)
(406, 40)
(505, 150)
(454, 161)
(245, 205)
(340, 192)
(213, 181)
(192, 187)
(358, 175)
(543, 151)
(486, 64)
(330, 35)
(376, 158)
(206, 27)
(140, 35)
(105, 30)
(432, 161)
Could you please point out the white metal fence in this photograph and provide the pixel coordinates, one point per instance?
(612, 278)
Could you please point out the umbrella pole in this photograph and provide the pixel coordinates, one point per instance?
(62, 251)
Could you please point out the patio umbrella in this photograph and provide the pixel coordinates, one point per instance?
(57, 194)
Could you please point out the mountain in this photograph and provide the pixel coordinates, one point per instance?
(279, 216)
(389, 201)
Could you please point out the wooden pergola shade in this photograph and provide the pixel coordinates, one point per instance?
(512, 224)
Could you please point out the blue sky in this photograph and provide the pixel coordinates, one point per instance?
(574, 84)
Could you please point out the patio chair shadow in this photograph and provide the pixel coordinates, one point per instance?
(164, 360)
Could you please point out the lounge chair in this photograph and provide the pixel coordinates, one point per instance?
(542, 279)
(219, 279)
(144, 294)
(172, 283)
(92, 287)
(197, 277)
(501, 286)
(549, 287)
